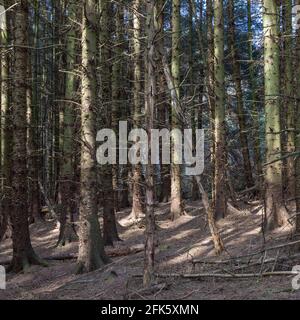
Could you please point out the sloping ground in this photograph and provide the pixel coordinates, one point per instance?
(179, 243)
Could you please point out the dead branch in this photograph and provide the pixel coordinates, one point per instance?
(225, 276)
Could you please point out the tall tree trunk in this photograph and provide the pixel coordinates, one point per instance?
(67, 232)
(288, 98)
(6, 137)
(210, 88)
(91, 245)
(254, 98)
(23, 253)
(177, 209)
(163, 117)
(275, 214)
(137, 201)
(150, 102)
(110, 232)
(297, 98)
(239, 96)
(220, 153)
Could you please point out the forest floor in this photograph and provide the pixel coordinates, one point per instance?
(179, 243)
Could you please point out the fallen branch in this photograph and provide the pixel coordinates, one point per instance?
(155, 289)
(225, 276)
(231, 260)
(111, 253)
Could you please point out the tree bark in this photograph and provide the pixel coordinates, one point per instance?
(297, 98)
(110, 199)
(254, 98)
(275, 212)
(91, 245)
(219, 73)
(23, 253)
(137, 200)
(67, 232)
(239, 96)
(150, 103)
(177, 209)
(288, 98)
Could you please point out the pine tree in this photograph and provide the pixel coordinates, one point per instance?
(137, 204)
(23, 253)
(275, 214)
(91, 245)
(288, 97)
(297, 98)
(110, 232)
(237, 78)
(176, 193)
(67, 175)
(219, 74)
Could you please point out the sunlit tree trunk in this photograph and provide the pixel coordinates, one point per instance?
(210, 87)
(91, 245)
(137, 202)
(220, 153)
(275, 214)
(177, 209)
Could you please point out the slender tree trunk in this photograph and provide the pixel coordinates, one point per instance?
(210, 88)
(163, 109)
(91, 245)
(137, 201)
(239, 96)
(254, 98)
(297, 96)
(23, 253)
(220, 153)
(6, 131)
(110, 232)
(177, 209)
(67, 231)
(288, 98)
(150, 102)
(33, 146)
(275, 214)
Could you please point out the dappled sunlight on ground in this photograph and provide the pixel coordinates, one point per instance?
(178, 243)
